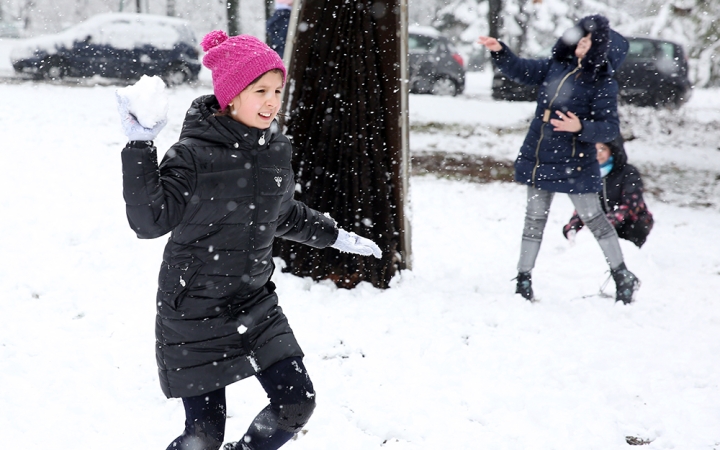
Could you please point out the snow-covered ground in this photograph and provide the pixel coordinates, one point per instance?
(448, 357)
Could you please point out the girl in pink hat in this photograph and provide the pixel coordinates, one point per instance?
(224, 192)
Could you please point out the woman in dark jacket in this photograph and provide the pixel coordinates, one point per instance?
(224, 191)
(576, 107)
(621, 196)
(276, 27)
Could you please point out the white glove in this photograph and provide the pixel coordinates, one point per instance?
(143, 108)
(571, 237)
(352, 243)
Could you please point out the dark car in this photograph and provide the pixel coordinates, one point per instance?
(435, 66)
(655, 73)
(124, 46)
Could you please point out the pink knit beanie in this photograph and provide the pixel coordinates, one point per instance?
(236, 62)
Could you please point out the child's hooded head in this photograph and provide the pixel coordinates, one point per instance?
(237, 61)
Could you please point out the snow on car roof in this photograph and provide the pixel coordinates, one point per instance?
(136, 16)
(424, 30)
(131, 30)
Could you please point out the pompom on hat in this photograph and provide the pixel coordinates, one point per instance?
(237, 61)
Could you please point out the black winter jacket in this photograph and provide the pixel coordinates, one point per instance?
(622, 200)
(560, 161)
(224, 191)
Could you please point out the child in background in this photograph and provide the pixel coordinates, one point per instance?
(621, 197)
(277, 25)
(224, 191)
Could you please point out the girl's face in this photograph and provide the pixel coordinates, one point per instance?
(583, 46)
(603, 152)
(259, 103)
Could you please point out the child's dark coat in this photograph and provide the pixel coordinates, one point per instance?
(621, 197)
(225, 191)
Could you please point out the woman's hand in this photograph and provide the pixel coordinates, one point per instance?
(568, 122)
(490, 43)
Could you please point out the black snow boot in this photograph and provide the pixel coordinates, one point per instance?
(524, 286)
(626, 283)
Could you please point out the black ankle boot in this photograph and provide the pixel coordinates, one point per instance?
(626, 284)
(524, 285)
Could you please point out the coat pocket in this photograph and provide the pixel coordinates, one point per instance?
(174, 281)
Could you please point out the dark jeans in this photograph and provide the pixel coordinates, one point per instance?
(292, 400)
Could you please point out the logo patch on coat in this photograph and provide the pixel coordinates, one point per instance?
(278, 180)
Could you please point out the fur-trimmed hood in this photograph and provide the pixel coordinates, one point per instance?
(606, 53)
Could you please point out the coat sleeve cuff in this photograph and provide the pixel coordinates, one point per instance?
(503, 52)
(139, 144)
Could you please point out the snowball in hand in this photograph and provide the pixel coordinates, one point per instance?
(147, 100)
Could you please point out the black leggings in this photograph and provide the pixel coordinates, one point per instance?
(292, 400)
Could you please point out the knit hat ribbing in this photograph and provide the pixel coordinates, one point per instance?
(237, 61)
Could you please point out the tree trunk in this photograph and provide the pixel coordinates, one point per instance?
(171, 11)
(233, 17)
(495, 8)
(28, 7)
(522, 19)
(347, 115)
(138, 5)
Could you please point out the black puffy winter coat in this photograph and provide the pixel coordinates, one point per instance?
(224, 191)
(621, 197)
(560, 161)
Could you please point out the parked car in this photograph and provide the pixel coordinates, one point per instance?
(114, 45)
(654, 73)
(435, 66)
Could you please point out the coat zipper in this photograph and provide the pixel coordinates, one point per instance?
(548, 111)
(256, 193)
(537, 153)
(605, 198)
